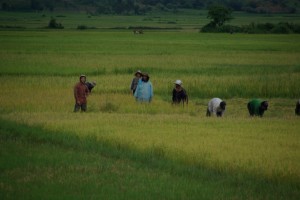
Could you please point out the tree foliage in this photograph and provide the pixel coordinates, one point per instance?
(219, 15)
(143, 6)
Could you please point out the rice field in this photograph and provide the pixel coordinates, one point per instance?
(256, 158)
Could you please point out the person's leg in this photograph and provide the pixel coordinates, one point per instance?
(83, 107)
(76, 107)
(250, 109)
(207, 113)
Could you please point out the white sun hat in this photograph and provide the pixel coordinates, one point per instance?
(178, 82)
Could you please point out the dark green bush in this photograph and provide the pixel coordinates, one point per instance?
(82, 27)
(209, 28)
(280, 28)
(53, 24)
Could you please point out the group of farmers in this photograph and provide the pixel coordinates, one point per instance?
(141, 88)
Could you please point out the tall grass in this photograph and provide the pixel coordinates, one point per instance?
(218, 65)
(37, 163)
(180, 133)
(39, 69)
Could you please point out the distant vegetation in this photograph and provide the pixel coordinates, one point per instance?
(140, 7)
(54, 24)
(219, 15)
(280, 28)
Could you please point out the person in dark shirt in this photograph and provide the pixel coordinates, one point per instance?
(297, 109)
(135, 81)
(80, 93)
(179, 94)
(90, 85)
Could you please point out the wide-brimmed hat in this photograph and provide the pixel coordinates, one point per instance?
(145, 74)
(82, 75)
(178, 82)
(138, 72)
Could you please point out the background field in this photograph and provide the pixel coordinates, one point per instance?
(120, 149)
(186, 20)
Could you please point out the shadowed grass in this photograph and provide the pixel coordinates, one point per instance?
(35, 162)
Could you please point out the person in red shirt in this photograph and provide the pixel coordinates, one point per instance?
(80, 93)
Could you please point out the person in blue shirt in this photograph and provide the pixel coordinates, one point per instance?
(144, 89)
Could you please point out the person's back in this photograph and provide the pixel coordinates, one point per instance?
(216, 106)
(257, 107)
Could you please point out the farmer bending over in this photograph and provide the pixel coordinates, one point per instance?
(257, 107)
(216, 106)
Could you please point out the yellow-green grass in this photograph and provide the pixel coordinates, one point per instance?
(39, 69)
(223, 65)
(267, 146)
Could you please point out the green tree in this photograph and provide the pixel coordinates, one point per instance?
(219, 15)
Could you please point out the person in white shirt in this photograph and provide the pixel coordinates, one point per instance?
(216, 106)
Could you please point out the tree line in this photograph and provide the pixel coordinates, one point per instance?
(219, 15)
(140, 7)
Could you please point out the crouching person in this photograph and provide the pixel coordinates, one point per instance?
(257, 107)
(80, 93)
(216, 106)
(297, 110)
(144, 90)
(179, 94)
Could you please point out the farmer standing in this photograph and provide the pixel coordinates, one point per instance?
(144, 89)
(135, 81)
(80, 93)
(179, 94)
